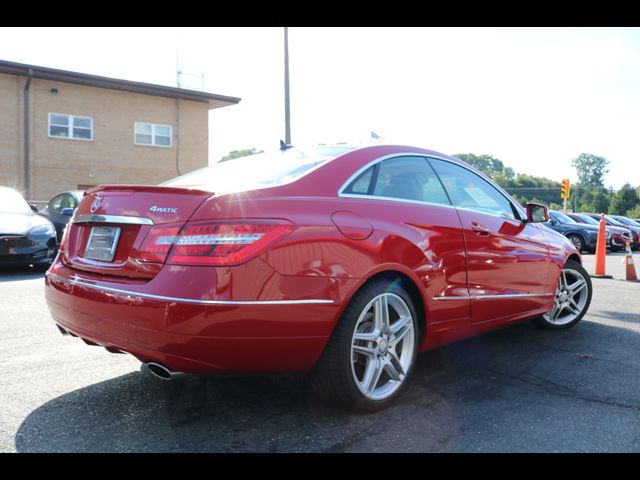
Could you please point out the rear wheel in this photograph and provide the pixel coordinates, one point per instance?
(572, 298)
(372, 350)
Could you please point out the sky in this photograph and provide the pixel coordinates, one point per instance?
(533, 97)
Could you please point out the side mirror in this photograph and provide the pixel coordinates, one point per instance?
(33, 207)
(536, 212)
(68, 211)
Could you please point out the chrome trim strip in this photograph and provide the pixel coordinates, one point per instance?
(75, 281)
(488, 297)
(93, 218)
(393, 199)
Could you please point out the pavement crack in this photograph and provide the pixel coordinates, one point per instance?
(562, 390)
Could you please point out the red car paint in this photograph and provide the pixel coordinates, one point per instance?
(275, 310)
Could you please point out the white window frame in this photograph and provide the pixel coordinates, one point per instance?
(70, 126)
(153, 135)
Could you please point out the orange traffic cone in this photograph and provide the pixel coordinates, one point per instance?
(631, 268)
(601, 250)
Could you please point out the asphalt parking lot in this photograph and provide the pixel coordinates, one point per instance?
(519, 389)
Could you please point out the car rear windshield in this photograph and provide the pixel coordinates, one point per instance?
(259, 170)
(12, 202)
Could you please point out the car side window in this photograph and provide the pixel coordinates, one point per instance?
(409, 178)
(361, 184)
(67, 202)
(55, 205)
(470, 191)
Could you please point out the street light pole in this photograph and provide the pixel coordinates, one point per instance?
(287, 107)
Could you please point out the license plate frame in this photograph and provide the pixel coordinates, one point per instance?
(102, 243)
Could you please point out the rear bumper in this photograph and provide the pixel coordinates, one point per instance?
(201, 319)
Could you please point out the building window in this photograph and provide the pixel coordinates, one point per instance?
(74, 127)
(152, 134)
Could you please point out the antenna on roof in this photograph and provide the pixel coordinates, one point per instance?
(180, 74)
(285, 146)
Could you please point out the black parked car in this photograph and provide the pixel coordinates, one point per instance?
(25, 238)
(60, 209)
(583, 236)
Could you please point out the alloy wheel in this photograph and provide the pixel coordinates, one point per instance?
(570, 298)
(382, 346)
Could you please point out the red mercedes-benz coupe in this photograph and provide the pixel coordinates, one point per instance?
(340, 262)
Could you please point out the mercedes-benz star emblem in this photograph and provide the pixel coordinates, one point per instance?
(96, 204)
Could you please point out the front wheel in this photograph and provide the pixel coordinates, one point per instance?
(572, 298)
(372, 350)
(577, 241)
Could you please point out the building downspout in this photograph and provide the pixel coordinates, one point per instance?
(178, 136)
(27, 177)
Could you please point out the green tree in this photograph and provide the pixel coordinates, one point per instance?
(591, 169)
(624, 200)
(240, 153)
(487, 164)
(595, 200)
(528, 188)
(634, 213)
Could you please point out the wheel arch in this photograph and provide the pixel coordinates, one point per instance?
(575, 257)
(396, 273)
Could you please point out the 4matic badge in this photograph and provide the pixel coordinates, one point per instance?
(158, 209)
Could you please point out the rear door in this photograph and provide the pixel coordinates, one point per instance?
(507, 259)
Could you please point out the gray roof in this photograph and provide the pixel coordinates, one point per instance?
(214, 100)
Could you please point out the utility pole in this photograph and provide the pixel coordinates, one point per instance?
(287, 107)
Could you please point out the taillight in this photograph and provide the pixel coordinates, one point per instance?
(211, 243)
(157, 243)
(63, 241)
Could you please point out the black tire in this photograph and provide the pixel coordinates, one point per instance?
(577, 241)
(334, 377)
(572, 268)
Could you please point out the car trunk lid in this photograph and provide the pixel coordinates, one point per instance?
(112, 221)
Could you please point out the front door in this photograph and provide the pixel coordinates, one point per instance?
(507, 258)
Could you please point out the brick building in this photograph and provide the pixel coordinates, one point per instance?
(82, 130)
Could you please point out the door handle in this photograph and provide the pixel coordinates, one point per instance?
(479, 229)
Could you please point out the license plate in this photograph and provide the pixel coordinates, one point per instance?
(102, 243)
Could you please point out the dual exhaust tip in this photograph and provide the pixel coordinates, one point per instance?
(157, 369)
(160, 371)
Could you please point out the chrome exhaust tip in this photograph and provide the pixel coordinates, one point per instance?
(61, 329)
(160, 371)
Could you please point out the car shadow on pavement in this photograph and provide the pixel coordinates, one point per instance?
(12, 274)
(515, 389)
